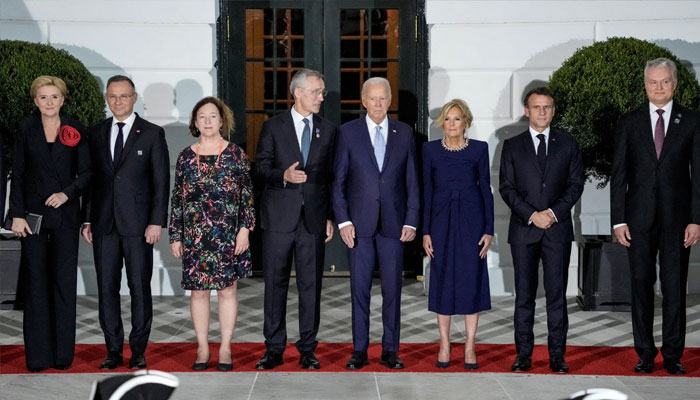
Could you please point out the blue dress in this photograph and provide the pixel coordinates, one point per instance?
(458, 211)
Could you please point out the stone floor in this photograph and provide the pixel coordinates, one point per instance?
(172, 324)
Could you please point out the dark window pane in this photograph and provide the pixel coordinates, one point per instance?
(297, 22)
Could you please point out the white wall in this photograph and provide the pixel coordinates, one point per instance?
(489, 52)
(168, 47)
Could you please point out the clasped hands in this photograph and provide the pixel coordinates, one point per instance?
(543, 219)
(294, 175)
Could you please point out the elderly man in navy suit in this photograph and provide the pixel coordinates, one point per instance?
(655, 209)
(541, 179)
(376, 203)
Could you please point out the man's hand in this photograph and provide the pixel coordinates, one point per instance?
(486, 243)
(242, 242)
(692, 233)
(152, 234)
(56, 200)
(20, 227)
(347, 233)
(87, 233)
(543, 219)
(622, 233)
(293, 175)
(407, 234)
(176, 249)
(329, 230)
(428, 245)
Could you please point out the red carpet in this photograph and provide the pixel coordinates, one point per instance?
(418, 357)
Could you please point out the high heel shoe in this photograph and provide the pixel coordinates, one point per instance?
(444, 364)
(201, 366)
(471, 366)
(225, 366)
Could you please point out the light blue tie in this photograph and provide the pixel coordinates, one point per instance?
(305, 140)
(379, 147)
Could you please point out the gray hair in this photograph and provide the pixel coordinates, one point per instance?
(301, 76)
(662, 62)
(372, 81)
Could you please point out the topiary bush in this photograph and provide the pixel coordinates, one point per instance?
(20, 63)
(601, 82)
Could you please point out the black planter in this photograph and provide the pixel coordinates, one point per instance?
(10, 254)
(603, 275)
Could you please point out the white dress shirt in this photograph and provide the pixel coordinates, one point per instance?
(299, 125)
(128, 123)
(536, 142)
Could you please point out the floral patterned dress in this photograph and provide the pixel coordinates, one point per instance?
(208, 209)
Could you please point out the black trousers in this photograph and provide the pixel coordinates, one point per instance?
(111, 252)
(307, 250)
(555, 262)
(51, 260)
(673, 273)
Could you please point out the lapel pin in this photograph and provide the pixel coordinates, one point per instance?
(138, 131)
(393, 130)
(677, 120)
(140, 152)
(318, 133)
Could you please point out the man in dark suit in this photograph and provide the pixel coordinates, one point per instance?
(376, 203)
(541, 179)
(295, 159)
(127, 209)
(655, 208)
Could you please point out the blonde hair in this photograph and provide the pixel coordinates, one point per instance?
(462, 106)
(48, 80)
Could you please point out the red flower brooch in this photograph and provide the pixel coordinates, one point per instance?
(69, 136)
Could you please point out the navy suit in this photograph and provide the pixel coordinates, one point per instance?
(657, 199)
(378, 204)
(124, 200)
(50, 258)
(526, 189)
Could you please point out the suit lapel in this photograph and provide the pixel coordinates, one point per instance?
(365, 141)
(289, 135)
(391, 138)
(644, 129)
(105, 132)
(530, 153)
(672, 133)
(59, 149)
(316, 136)
(43, 147)
(552, 150)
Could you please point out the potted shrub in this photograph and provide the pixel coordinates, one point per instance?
(593, 89)
(20, 63)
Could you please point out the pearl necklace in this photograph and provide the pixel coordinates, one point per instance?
(462, 147)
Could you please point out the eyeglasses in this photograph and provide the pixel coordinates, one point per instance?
(547, 109)
(123, 97)
(316, 92)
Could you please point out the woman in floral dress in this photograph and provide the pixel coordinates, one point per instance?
(211, 217)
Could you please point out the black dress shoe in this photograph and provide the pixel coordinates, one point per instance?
(112, 361)
(391, 360)
(61, 367)
(357, 360)
(137, 361)
(270, 360)
(35, 369)
(674, 368)
(308, 360)
(644, 367)
(522, 363)
(202, 366)
(558, 365)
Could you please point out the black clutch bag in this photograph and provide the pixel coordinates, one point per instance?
(34, 221)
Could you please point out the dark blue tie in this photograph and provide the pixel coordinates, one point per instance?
(119, 145)
(542, 152)
(305, 140)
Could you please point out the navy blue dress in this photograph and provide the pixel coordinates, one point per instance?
(458, 211)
